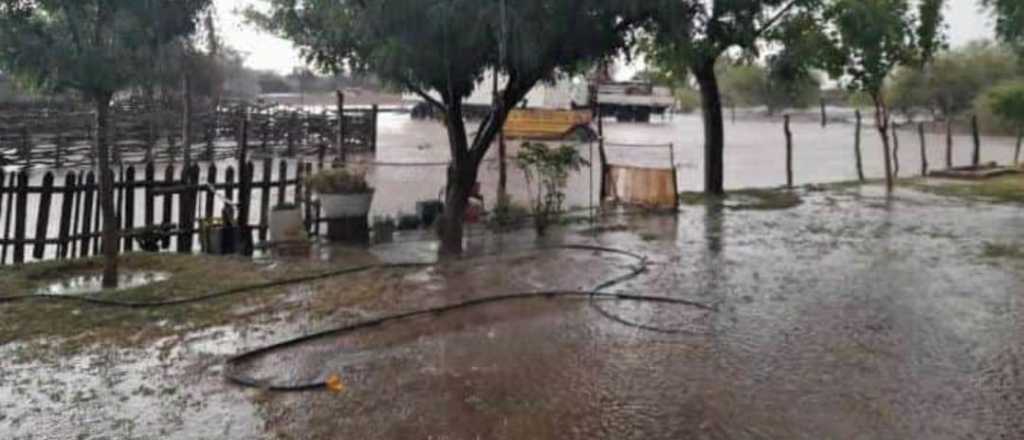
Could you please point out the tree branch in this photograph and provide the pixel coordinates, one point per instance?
(775, 19)
(423, 94)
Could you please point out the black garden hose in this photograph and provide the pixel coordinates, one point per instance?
(233, 375)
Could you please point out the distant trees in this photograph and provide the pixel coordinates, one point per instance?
(1007, 103)
(950, 84)
(752, 85)
(95, 48)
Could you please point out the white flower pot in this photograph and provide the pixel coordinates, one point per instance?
(346, 205)
(286, 226)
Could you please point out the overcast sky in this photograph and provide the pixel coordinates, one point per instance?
(966, 23)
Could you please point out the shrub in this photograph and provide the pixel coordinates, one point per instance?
(338, 181)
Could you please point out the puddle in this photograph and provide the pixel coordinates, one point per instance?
(89, 284)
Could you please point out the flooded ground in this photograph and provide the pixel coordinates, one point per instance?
(852, 315)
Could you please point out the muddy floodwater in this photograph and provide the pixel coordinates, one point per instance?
(850, 316)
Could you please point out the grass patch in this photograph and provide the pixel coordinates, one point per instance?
(1009, 188)
(70, 327)
(999, 250)
(747, 200)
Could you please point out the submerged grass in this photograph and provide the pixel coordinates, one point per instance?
(1002, 189)
(748, 199)
(70, 327)
(1002, 250)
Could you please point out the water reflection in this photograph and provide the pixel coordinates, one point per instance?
(86, 284)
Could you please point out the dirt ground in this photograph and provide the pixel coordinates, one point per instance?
(840, 313)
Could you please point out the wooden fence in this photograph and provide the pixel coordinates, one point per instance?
(61, 136)
(58, 216)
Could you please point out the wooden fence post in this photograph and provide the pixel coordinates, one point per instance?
(87, 209)
(976, 160)
(168, 201)
(9, 206)
(265, 185)
(949, 142)
(19, 220)
(858, 157)
(924, 149)
(789, 153)
(211, 191)
(895, 151)
(43, 217)
(128, 214)
(824, 113)
(375, 111)
(67, 206)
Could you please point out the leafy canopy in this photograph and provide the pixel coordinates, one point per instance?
(871, 38)
(1007, 102)
(1009, 20)
(91, 46)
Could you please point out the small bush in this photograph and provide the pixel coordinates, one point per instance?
(338, 181)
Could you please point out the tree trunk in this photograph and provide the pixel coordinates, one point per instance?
(502, 164)
(714, 130)
(882, 123)
(895, 151)
(460, 185)
(789, 154)
(110, 239)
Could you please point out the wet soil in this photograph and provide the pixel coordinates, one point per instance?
(850, 315)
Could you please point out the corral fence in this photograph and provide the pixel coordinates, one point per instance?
(58, 216)
(60, 135)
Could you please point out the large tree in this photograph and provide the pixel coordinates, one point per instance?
(871, 39)
(440, 50)
(95, 48)
(1009, 20)
(1007, 102)
(691, 36)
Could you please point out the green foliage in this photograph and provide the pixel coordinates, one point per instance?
(551, 168)
(1008, 101)
(338, 181)
(95, 47)
(687, 99)
(1009, 20)
(951, 83)
(874, 37)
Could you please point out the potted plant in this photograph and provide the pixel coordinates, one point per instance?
(286, 224)
(342, 193)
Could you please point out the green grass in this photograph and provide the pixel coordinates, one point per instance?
(749, 199)
(69, 327)
(1003, 189)
(1001, 250)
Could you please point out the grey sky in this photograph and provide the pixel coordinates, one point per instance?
(966, 23)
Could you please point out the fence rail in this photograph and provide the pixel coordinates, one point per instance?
(58, 216)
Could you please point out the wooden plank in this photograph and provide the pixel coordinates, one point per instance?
(19, 219)
(87, 208)
(211, 195)
(43, 216)
(265, 185)
(229, 184)
(98, 223)
(67, 206)
(129, 209)
(306, 195)
(168, 203)
(282, 178)
(187, 208)
(150, 199)
(8, 207)
(78, 196)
